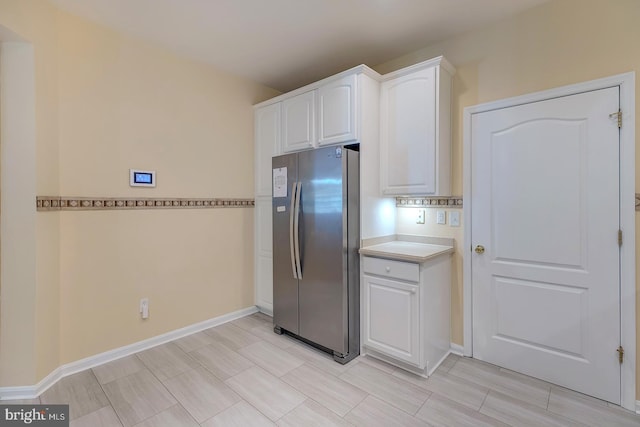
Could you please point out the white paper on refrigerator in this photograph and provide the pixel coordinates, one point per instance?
(280, 182)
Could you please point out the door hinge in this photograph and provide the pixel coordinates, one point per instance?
(617, 115)
(619, 237)
(620, 351)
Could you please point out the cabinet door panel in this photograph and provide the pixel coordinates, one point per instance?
(264, 254)
(264, 235)
(264, 292)
(267, 135)
(337, 111)
(391, 318)
(408, 134)
(298, 124)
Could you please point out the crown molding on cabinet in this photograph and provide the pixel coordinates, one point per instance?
(437, 61)
(359, 69)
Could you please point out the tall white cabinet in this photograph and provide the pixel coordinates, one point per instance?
(267, 144)
(342, 109)
(415, 130)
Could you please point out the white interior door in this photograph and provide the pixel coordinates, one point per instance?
(545, 197)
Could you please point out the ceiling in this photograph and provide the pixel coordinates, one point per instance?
(285, 44)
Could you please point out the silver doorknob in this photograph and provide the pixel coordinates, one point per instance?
(479, 249)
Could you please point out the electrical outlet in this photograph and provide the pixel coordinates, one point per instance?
(441, 217)
(144, 308)
(420, 217)
(454, 219)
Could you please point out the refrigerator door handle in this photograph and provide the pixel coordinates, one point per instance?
(291, 224)
(296, 230)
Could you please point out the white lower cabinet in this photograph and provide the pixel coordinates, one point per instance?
(406, 311)
(391, 310)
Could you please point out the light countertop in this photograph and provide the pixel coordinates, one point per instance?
(406, 251)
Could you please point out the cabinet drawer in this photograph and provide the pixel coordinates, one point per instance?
(392, 269)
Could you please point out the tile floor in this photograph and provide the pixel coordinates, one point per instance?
(242, 374)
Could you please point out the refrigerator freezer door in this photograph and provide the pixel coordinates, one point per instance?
(322, 292)
(285, 284)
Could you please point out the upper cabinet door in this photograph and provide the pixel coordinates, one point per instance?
(414, 150)
(298, 124)
(267, 140)
(337, 111)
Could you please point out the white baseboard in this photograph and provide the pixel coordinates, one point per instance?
(266, 310)
(393, 361)
(457, 349)
(432, 369)
(638, 407)
(33, 391)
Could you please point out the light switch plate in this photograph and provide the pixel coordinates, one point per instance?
(441, 217)
(454, 219)
(420, 217)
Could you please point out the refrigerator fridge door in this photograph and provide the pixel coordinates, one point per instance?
(315, 248)
(285, 283)
(322, 290)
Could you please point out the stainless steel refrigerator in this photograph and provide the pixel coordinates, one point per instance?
(316, 235)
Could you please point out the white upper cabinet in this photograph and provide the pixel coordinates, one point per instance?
(298, 122)
(415, 130)
(324, 114)
(267, 145)
(337, 111)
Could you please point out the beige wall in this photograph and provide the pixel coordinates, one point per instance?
(17, 155)
(558, 43)
(125, 104)
(106, 103)
(29, 332)
(192, 265)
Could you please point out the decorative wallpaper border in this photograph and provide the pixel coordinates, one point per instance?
(53, 203)
(453, 202)
(430, 202)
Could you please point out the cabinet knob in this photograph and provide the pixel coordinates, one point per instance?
(388, 269)
(479, 249)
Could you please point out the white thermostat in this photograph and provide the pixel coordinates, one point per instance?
(138, 178)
